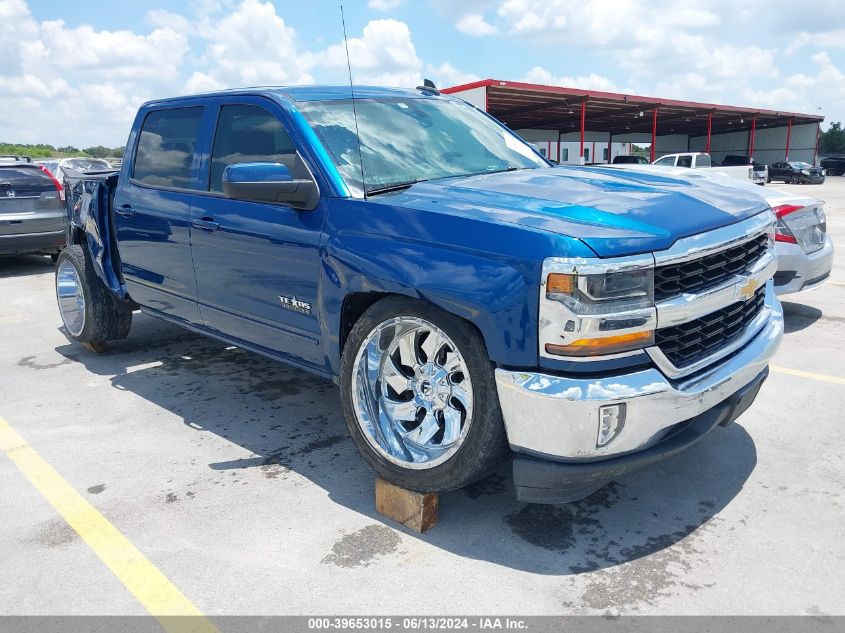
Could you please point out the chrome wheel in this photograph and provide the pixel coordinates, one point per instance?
(71, 298)
(412, 393)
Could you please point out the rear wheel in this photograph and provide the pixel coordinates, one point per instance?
(89, 312)
(419, 397)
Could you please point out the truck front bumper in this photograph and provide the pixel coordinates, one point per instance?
(552, 422)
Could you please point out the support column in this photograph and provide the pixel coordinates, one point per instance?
(788, 137)
(653, 133)
(818, 135)
(583, 123)
(609, 148)
(751, 138)
(709, 130)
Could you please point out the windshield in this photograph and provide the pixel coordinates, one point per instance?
(406, 140)
(800, 165)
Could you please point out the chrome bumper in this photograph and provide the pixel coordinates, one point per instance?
(557, 417)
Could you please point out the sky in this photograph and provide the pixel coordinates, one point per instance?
(75, 72)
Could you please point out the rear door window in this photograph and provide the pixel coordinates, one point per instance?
(248, 134)
(166, 148)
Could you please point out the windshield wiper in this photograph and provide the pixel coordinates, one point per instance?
(498, 171)
(398, 186)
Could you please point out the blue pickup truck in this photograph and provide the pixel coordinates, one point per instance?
(474, 302)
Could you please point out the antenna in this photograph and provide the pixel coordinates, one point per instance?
(354, 110)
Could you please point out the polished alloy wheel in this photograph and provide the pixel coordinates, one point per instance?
(412, 393)
(71, 298)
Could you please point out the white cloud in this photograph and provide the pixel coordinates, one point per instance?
(592, 81)
(383, 5)
(253, 46)
(474, 24)
(829, 39)
(801, 92)
(64, 84)
(384, 54)
(446, 75)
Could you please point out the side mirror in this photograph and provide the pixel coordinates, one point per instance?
(269, 182)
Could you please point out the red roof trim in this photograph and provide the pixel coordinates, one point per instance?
(618, 96)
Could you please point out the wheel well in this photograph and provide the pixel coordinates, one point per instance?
(354, 305)
(78, 236)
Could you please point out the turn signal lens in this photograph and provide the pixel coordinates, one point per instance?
(560, 283)
(604, 345)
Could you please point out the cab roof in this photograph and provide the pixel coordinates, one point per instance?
(309, 93)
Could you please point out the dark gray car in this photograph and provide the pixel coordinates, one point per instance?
(32, 216)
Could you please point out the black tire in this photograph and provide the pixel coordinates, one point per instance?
(769, 180)
(54, 257)
(105, 319)
(485, 446)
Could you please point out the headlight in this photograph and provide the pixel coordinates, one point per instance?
(606, 293)
(586, 312)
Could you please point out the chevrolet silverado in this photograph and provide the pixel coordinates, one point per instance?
(474, 302)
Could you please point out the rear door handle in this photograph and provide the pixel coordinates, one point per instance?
(125, 211)
(205, 224)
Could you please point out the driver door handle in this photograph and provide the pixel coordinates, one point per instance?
(125, 211)
(205, 224)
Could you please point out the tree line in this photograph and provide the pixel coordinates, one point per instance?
(832, 141)
(40, 150)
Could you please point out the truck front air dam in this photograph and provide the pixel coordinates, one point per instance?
(553, 421)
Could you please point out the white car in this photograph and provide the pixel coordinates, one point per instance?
(758, 174)
(803, 247)
(57, 166)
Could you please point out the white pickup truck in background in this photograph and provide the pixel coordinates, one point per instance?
(700, 160)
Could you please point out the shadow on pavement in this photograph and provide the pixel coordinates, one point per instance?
(797, 316)
(20, 265)
(292, 422)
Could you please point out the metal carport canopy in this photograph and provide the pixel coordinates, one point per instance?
(523, 105)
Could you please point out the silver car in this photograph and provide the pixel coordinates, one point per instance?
(804, 250)
(32, 216)
(58, 166)
(803, 247)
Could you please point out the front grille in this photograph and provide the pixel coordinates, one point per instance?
(689, 342)
(708, 271)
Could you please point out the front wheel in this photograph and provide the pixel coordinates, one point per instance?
(89, 312)
(419, 397)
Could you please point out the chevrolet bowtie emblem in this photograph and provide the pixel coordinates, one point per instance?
(747, 290)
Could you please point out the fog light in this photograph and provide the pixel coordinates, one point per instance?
(611, 422)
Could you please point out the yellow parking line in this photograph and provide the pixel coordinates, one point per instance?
(143, 579)
(837, 283)
(808, 374)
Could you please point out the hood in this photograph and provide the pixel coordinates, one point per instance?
(614, 212)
